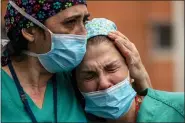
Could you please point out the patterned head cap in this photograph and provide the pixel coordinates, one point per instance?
(38, 9)
(99, 26)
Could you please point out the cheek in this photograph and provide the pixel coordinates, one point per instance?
(48, 42)
(79, 29)
(118, 76)
(87, 86)
(43, 43)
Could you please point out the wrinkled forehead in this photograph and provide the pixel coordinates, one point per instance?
(70, 13)
(101, 53)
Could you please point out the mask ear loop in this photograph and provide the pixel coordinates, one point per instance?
(29, 17)
(30, 53)
(130, 79)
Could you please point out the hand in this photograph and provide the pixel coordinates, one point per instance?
(133, 60)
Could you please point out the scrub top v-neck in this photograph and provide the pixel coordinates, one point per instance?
(68, 108)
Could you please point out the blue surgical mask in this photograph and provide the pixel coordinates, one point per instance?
(111, 103)
(66, 53)
(67, 50)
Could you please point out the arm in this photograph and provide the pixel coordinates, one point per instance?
(133, 60)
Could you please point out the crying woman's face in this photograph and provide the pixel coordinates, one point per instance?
(102, 67)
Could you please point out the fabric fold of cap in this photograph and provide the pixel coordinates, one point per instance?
(99, 26)
(38, 9)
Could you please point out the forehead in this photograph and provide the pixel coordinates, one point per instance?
(100, 54)
(76, 10)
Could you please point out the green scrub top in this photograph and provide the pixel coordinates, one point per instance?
(68, 108)
(161, 106)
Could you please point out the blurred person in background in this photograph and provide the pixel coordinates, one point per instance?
(103, 78)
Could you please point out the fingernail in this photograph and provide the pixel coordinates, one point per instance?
(111, 35)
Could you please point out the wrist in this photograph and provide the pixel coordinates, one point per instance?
(142, 83)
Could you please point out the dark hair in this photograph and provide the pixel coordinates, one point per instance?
(16, 45)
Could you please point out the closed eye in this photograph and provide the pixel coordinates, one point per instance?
(70, 22)
(112, 67)
(86, 18)
(89, 76)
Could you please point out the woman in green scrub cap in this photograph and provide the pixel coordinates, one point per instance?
(104, 80)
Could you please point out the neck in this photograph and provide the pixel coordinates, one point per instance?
(130, 116)
(31, 73)
(32, 77)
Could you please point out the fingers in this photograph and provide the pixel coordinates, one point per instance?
(124, 50)
(126, 47)
(123, 40)
(121, 35)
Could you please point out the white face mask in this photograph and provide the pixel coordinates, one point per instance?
(67, 50)
(112, 102)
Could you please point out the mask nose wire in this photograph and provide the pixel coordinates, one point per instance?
(29, 17)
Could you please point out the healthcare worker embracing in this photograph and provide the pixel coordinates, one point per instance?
(47, 40)
(104, 82)
(31, 91)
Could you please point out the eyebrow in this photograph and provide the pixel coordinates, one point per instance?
(87, 71)
(112, 63)
(76, 16)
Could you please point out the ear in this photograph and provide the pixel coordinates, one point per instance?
(132, 80)
(28, 34)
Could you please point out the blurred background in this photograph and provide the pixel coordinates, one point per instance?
(157, 30)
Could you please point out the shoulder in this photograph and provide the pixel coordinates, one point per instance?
(67, 99)
(174, 100)
(6, 69)
(161, 106)
(63, 75)
(177, 98)
(64, 78)
(5, 75)
(65, 83)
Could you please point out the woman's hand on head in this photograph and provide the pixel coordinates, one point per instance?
(133, 60)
